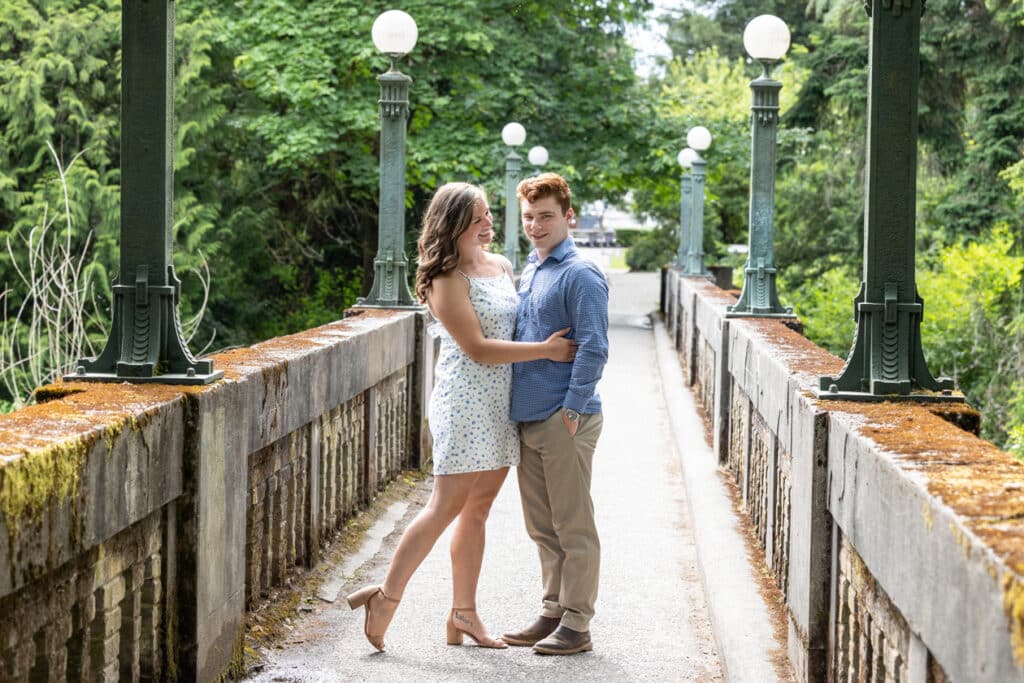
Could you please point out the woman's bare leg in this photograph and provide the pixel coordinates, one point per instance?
(450, 494)
(467, 549)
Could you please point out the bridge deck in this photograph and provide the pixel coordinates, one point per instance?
(654, 620)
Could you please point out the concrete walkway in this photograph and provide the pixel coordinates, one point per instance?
(653, 617)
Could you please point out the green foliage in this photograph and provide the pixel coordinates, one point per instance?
(627, 237)
(332, 293)
(825, 306)
(712, 90)
(276, 138)
(988, 105)
(973, 328)
(654, 249)
(57, 85)
(819, 206)
(707, 23)
(302, 128)
(50, 310)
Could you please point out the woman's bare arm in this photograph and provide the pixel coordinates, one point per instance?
(449, 301)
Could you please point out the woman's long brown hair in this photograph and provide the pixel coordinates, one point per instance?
(446, 219)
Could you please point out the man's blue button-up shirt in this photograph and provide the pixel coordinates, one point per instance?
(565, 290)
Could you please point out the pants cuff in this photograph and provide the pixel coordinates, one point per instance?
(552, 610)
(575, 621)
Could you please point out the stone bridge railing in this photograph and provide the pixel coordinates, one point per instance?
(138, 522)
(896, 536)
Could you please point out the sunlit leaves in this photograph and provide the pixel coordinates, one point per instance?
(973, 326)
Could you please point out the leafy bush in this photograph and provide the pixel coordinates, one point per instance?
(825, 306)
(652, 250)
(627, 237)
(973, 328)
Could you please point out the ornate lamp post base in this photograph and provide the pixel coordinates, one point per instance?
(146, 344)
(887, 361)
(389, 288)
(759, 298)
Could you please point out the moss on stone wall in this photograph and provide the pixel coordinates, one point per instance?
(237, 669)
(1013, 605)
(30, 484)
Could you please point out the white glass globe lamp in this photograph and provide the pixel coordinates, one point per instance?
(513, 134)
(766, 38)
(538, 155)
(395, 33)
(699, 138)
(686, 157)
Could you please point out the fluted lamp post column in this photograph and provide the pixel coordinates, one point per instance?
(394, 33)
(887, 360)
(513, 135)
(685, 158)
(146, 343)
(538, 156)
(699, 139)
(766, 39)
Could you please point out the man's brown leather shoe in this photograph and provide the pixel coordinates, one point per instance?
(564, 641)
(542, 628)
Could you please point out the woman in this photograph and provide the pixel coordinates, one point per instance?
(471, 293)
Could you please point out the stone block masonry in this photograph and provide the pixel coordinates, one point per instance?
(138, 522)
(895, 535)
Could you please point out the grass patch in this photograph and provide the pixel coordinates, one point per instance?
(618, 261)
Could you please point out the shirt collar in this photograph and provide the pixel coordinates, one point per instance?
(558, 254)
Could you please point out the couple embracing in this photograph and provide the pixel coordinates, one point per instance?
(515, 385)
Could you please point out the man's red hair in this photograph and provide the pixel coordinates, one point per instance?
(546, 185)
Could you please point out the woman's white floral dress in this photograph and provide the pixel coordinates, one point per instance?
(469, 407)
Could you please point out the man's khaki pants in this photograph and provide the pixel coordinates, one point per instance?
(554, 484)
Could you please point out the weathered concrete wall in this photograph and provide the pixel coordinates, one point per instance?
(138, 521)
(896, 537)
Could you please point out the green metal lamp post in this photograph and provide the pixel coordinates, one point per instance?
(686, 157)
(699, 139)
(513, 135)
(887, 360)
(766, 39)
(146, 343)
(538, 156)
(394, 33)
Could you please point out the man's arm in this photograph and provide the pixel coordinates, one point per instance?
(587, 301)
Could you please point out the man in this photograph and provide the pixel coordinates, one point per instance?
(560, 413)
